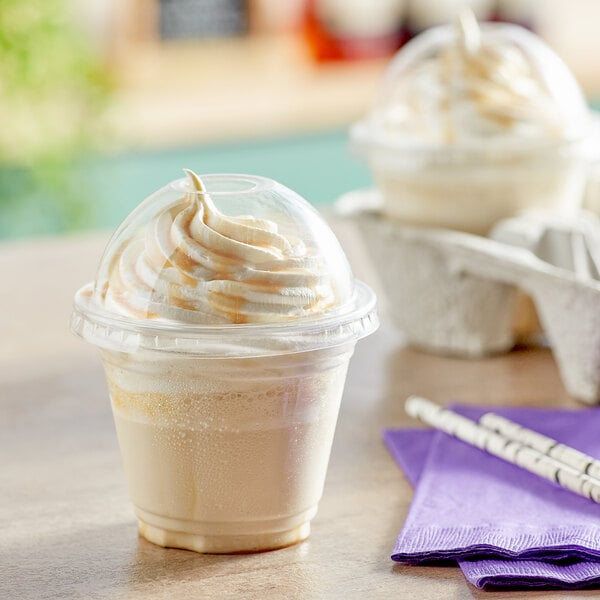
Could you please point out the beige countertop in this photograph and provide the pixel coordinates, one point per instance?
(68, 529)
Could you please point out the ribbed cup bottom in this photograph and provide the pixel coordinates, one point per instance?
(222, 543)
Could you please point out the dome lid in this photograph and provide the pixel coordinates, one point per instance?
(227, 264)
(462, 85)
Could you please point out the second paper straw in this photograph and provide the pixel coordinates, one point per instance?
(505, 448)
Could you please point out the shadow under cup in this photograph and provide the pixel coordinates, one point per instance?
(226, 454)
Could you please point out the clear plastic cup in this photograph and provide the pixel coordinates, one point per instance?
(225, 428)
(473, 124)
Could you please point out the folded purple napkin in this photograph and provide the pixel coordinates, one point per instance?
(505, 527)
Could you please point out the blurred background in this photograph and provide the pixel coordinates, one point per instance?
(104, 101)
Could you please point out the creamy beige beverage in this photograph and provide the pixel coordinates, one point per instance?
(225, 360)
(234, 456)
(475, 124)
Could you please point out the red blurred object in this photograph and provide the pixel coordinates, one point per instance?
(360, 29)
(330, 43)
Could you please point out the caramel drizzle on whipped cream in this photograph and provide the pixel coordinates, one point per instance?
(194, 264)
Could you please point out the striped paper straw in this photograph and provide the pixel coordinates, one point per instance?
(584, 463)
(508, 449)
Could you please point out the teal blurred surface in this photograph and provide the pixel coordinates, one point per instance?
(100, 191)
(107, 188)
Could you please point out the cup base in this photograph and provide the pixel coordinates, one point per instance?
(223, 544)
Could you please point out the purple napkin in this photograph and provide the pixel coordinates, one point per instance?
(505, 527)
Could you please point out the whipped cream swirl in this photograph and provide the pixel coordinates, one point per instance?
(193, 264)
(478, 86)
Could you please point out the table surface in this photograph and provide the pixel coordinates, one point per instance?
(68, 529)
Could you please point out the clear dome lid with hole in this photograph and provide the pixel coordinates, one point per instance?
(465, 84)
(238, 256)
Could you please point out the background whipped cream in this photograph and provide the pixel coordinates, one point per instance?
(193, 264)
(478, 85)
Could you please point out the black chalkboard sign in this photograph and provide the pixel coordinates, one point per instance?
(193, 19)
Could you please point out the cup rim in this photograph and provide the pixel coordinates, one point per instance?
(121, 333)
(254, 184)
(365, 137)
